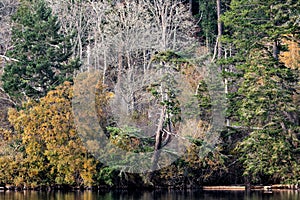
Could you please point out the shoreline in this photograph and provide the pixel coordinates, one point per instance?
(269, 188)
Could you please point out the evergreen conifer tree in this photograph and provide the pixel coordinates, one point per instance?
(44, 58)
(264, 100)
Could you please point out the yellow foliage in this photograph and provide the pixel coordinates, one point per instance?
(53, 150)
(192, 75)
(291, 58)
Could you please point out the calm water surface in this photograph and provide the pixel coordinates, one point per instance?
(163, 195)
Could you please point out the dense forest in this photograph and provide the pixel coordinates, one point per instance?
(149, 93)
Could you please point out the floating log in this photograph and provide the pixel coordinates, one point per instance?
(275, 187)
(224, 188)
(285, 186)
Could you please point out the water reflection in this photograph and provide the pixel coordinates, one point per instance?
(162, 195)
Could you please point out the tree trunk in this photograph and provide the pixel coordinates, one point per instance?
(157, 147)
(275, 50)
(158, 140)
(120, 67)
(219, 29)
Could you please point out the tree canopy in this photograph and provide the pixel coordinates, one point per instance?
(151, 75)
(42, 55)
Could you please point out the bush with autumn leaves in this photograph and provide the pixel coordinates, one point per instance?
(43, 148)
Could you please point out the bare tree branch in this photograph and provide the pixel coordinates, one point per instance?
(9, 59)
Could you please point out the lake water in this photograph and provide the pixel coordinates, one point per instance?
(163, 195)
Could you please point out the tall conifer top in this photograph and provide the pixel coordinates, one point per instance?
(43, 53)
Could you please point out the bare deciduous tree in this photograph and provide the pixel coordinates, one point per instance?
(121, 40)
(136, 30)
(74, 19)
(7, 8)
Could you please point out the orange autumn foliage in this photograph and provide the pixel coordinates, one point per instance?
(291, 58)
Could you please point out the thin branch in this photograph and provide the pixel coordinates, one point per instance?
(9, 59)
(215, 50)
(245, 127)
(200, 18)
(8, 97)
